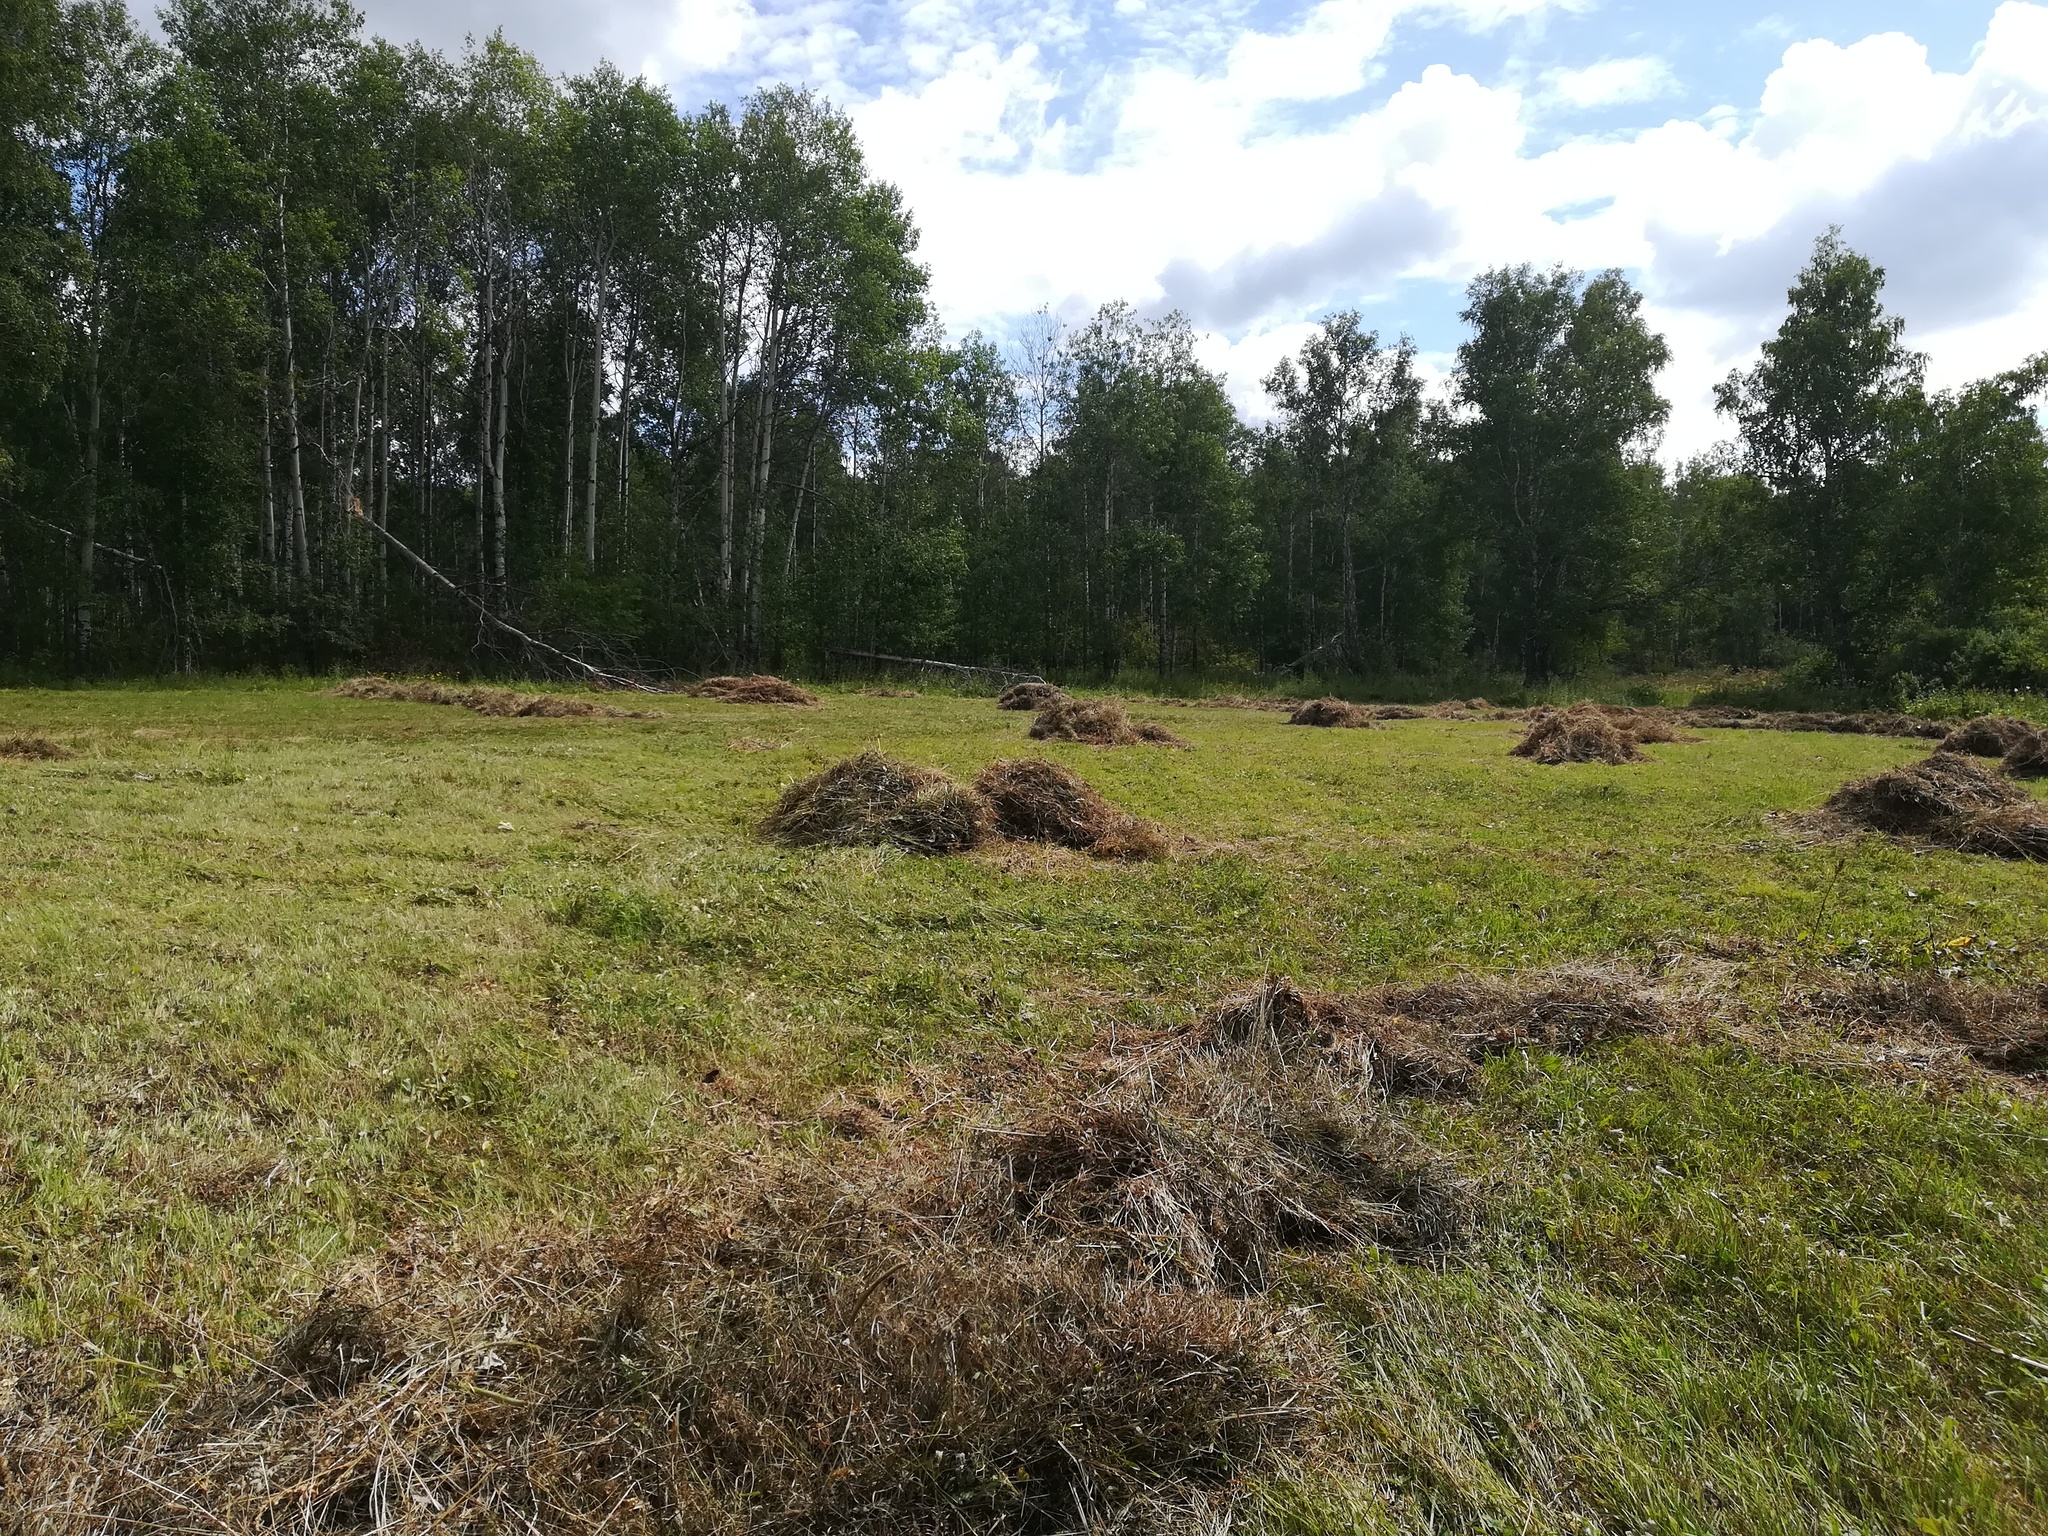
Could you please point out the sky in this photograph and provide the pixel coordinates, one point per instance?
(1259, 165)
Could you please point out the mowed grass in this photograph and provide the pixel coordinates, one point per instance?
(282, 975)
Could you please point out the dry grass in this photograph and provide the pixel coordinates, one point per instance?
(500, 703)
(1585, 733)
(1039, 801)
(1950, 800)
(2027, 757)
(876, 799)
(1329, 711)
(2002, 1028)
(33, 748)
(1098, 722)
(1029, 695)
(1986, 736)
(757, 689)
(1864, 724)
(1058, 1325)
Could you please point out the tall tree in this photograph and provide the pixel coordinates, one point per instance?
(1558, 387)
(1817, 415)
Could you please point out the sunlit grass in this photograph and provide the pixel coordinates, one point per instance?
(281, 974)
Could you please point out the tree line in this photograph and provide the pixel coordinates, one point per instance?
(319, 351)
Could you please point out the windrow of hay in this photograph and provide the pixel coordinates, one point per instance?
(1722, 717)
(1034, 800)
(502, 703)
(1950, 800)
(1029, 695)
(1098, 722)
(875, 799)
(757, 689)
(1331, 711)
(33, 748)
(1054, 1322)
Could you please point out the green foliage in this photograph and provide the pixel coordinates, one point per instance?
(1549, 461)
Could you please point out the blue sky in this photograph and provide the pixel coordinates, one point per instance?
(1261, 164)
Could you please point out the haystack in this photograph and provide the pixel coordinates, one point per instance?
(2027, 758)
(1042, 802)
(1585, 733)
(1029, 695)
(1330, 711)
(874, 799)
(1986, 736)
(760, 688)
(1951, 800)
(1098, 722)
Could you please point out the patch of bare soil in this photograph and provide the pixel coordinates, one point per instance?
(501, 703)
(33, 748)
(1986, 736)
(1098, 722)
(1029, 695)
(1335, 712)
(1053, 1320)
(876, 799)
(1034, 800)
(757, 689)
(1950, 800)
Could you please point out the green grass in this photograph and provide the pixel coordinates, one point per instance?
(278, 979)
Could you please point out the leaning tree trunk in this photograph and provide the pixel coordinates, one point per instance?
(596, 424)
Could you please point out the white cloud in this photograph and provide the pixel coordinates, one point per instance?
(1194, 193)
(1610, 83)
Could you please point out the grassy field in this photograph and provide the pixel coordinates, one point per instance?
(284, 976)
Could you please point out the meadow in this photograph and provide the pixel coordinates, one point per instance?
(288, 979)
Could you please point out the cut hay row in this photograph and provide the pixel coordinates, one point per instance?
(760, 688)
(1950, 800)
(500, 703)
(874, 800)
(1055, 1321)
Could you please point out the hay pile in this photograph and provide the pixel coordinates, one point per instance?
(1098, 722)
(2027, 757)
(874, 799)
(1950, 800)
(1986, 736)
(33, 749)
(1057, 1321)
(1329, 711)
(1585, 733)
(1029, 695)
(758, 689)
(500, 703)
(1034, 800)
